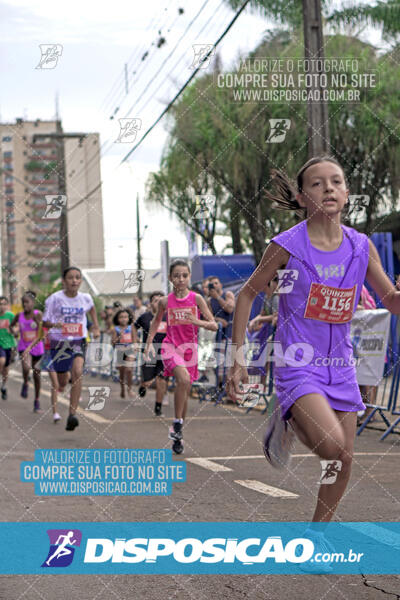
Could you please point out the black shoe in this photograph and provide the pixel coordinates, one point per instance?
(72, 422)
(4, 393)
(177, 447)
(142, 391)
(175, 431)
(157, 410)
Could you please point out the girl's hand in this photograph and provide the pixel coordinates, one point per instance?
(274, 319)
(25, 354)
(149, 352)
(254, 324)
(95, 332)
(192, 319)
(236, 375)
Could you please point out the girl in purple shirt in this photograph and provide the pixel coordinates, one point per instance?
(325, 264)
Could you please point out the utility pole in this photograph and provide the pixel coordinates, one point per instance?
(317, 112)
(59, 137)
(138, 239)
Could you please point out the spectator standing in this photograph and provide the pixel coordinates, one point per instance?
(222, 305)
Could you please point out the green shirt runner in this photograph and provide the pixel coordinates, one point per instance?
(7, 340)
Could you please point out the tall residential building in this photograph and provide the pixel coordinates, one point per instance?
(30, 170)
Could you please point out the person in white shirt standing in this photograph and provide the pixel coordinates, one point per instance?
(65, 317)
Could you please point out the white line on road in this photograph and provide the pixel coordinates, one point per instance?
(263, 488)
(208, 464)
(305, 455)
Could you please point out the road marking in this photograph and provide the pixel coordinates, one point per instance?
(208, 464)
(381, 534)
(305, 455)
(263, 488)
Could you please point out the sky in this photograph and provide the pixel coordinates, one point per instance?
(98, 39)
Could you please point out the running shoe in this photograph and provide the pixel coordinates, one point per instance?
(177, 447)
(278, 439)
(36, 406)
(322, 546)
(175, 431)
(56, 417)
(4, 393)
(131, 393)
(142, 391)
(157, 410)
(72, 422)
(24, 390)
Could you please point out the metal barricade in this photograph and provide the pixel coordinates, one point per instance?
(259, 349)
(213, 364)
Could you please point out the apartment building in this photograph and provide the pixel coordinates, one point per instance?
(31, 168)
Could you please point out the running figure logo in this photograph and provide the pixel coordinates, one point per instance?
(202, 55)
(55, 205)
(132, 280)
(61, 551)
(286, 280)
(50, 55)
(204, 206)
(358, 202)
(128, 130)
(330, 470)
(279, 129)
(97, 397)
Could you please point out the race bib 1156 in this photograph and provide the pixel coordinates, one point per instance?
(330, 304)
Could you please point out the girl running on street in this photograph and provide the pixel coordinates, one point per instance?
(179, 347)
(124, 334)
(324, 266)
(30, 346)
(65, 316)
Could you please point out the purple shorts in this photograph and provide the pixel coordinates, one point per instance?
(344, 396)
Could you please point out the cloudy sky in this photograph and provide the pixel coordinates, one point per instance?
(98, 38)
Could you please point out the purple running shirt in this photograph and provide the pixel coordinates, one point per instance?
(313, 351)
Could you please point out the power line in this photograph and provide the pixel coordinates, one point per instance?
(178, 61)
(186, 83)
(169, 55)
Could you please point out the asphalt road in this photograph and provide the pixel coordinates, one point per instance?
(226, 481)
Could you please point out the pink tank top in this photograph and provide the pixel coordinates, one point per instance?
(28, 332)
(179, 330)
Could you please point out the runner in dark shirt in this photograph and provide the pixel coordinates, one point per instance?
(153, 371)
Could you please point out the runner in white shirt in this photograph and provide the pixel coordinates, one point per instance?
(65, 316)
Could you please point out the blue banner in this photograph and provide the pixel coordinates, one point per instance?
(196, 548)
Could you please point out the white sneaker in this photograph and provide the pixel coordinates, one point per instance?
(56, 417)
(165, 400)
(278, 439)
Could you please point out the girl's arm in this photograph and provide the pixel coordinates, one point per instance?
(209, 321)
(381, 283)
(13, 324)
(95, 328)
(275, 257)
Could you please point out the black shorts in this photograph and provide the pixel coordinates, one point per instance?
(63, 353)
(35, 357)
(7, 353)
(150, 372)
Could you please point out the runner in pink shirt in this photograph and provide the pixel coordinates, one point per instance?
(179, 347)
(30, 346)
